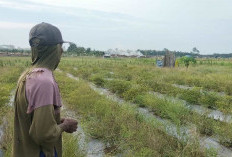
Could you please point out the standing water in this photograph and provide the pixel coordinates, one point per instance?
(215, 114)
(92, 147)
(4, 121)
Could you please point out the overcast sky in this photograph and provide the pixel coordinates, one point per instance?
(125, 24)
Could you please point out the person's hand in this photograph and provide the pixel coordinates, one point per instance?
(62, 120)
(68, 125)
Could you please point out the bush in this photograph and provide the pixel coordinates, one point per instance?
(208, 100)
(98, 80)
(118, 86)
(133, 92)
(191, 95)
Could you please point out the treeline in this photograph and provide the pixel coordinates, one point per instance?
(73, 50)
(81, 51)
(15, 51)
(150, 53)
(216, 55)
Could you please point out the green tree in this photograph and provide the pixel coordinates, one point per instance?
(72, 48)
(195, 50)
(186, 60)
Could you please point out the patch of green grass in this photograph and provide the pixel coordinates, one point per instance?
(118, 125)
(70, 147)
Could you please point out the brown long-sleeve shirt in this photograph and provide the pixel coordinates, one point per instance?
(37, 117)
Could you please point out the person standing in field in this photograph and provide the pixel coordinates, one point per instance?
(37, 123)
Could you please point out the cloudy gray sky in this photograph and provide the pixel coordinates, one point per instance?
(125, 24)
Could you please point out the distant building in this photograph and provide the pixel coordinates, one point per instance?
(123, 53)
(106, 56)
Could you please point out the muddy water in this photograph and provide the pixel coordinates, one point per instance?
(182, 133)
(1, 135)
(188, 87)
(211, 143)
(4, 123)
(72, 77)
(12, 96)
(80, 133)
(92, 147)
(215, 114)
(58, 70)
(95, 148)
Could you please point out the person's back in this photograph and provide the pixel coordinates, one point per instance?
(37, 124)
(37, 94)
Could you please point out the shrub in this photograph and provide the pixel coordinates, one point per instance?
(118, 86)
(98, 80)
(208, 100)
(133, 92)
(191, 95)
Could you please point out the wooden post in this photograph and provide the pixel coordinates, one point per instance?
(169, 59)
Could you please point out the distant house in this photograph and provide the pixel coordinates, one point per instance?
(123, 53)
(107, 56)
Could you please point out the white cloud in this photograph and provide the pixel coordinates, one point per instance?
(15, 25)
(17, 5)
(174, 24)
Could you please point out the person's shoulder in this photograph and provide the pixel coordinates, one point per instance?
(41, 76)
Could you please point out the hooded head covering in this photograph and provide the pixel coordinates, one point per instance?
(46, 56)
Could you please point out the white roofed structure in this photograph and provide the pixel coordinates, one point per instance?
(125, 53)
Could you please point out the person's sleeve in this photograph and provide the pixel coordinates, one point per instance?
(44, 129)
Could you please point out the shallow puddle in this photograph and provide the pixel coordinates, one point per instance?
(211, 143)
(92, 147)
(95, 148)
(1, 133)
(58, 70)
(215, 114)
(12, 96)
(188, 87)
(80, 133)
(4, 121)
(72, 77)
